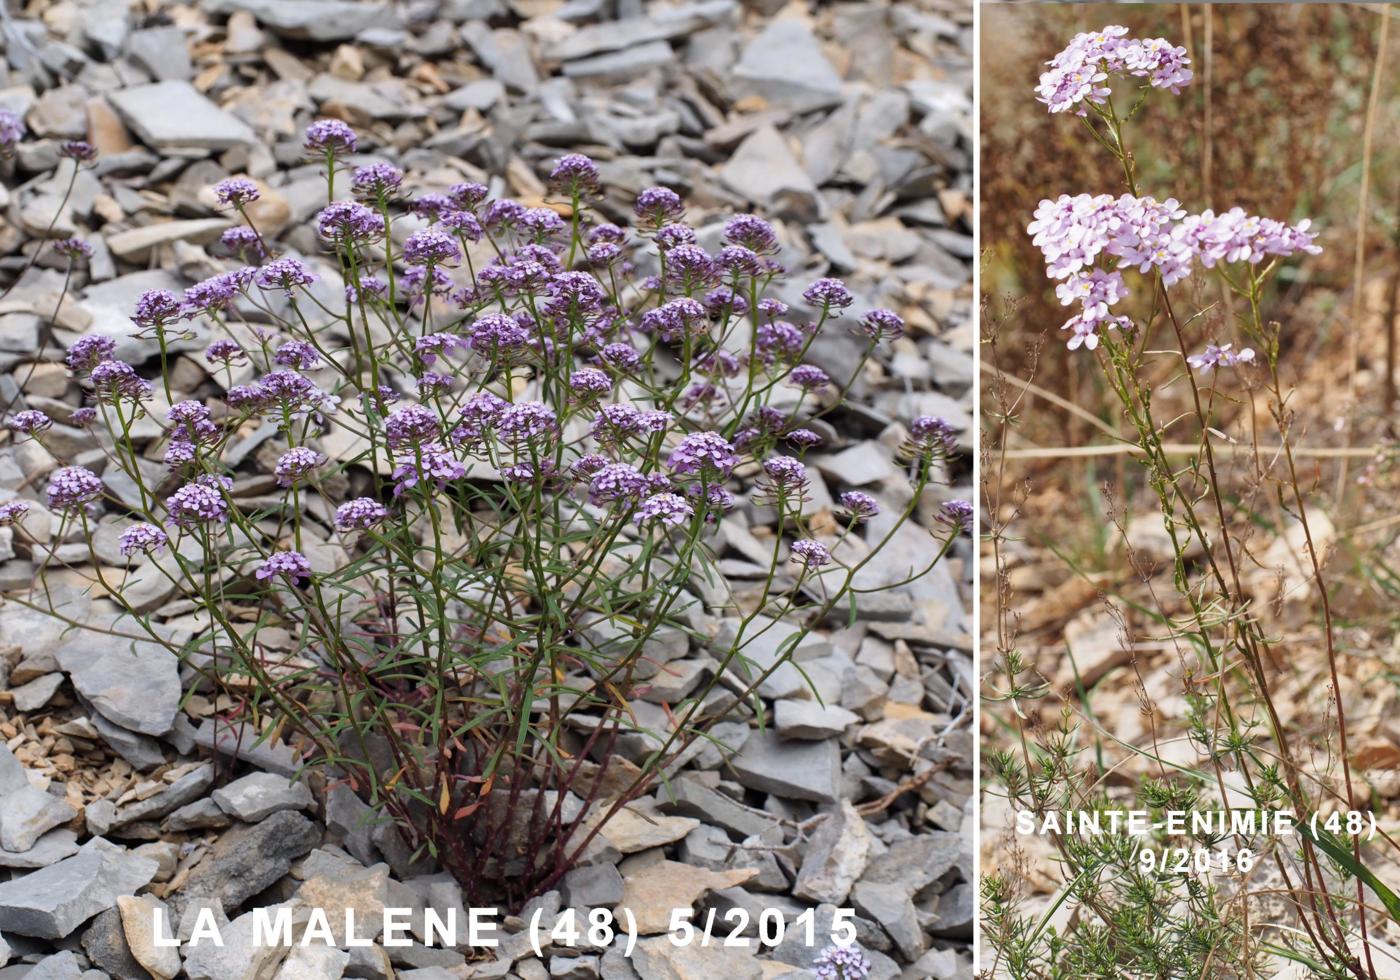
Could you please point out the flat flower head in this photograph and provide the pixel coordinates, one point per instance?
(243, 243)
(412, 425)
(142, 539)
(80, 151)
(298, 354)
(157, 307)
(114, 381)
(349, 223)
(841, 963)
(468, 194)
(217, 293)
(623, 358)
(706, 454)
(286, 274)
(809, 377)
(236, 192)
(527, 422)
(575, 174)
(1077, 76)
(13, 512)
(29, 422)
(360, 514)
(617, 482)
(1220, 355)
(690, 267)
(291, 566)
(497, 335)
(429, 464)
(430, 246)
(810, 554)
(296, 464)
(658, 206)
(199, 503)
(859, 505)
(751, 232)
(881, 325)
(463, 224)
(481, 411)
(72, 486)
(673, 236)
(676, 319)
(828, 294)
(665, 509)
(589, 384)
(330, 137)
(376, 181)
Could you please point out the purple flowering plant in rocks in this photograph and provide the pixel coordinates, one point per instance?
(1123, 264)
(499, 443)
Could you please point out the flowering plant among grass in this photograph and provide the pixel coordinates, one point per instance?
(498, 442)
(1120, 261)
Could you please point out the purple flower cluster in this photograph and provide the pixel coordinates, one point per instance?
(1078, 74)
(71, 487)
(298, 354)
(236, 192)
(957, 514)
(217, 293)
(376, 180)
(931, 436)
(290, 565)
(115, 381)
(243, 242)
(286, 274)
(1075, 233)
(13, 512)
(659, 206)
(200, 502)
(426, 463)
(668, 509)
(828, 294)
(809, 377)
(526, 422)
(841, 963)
(785, 475)
(30, 421)
(143, 539)
(860, 505)
(411, 426)
(810, 554)
(349, 223)
(296, 464)
(330, 136)
(360, 514)
(575, 173)
(431, 247)
(224, 352)
(617, 482)
(706, 454)
(88, 352)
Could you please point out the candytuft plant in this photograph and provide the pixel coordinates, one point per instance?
(1121, 262)
(497, 443)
